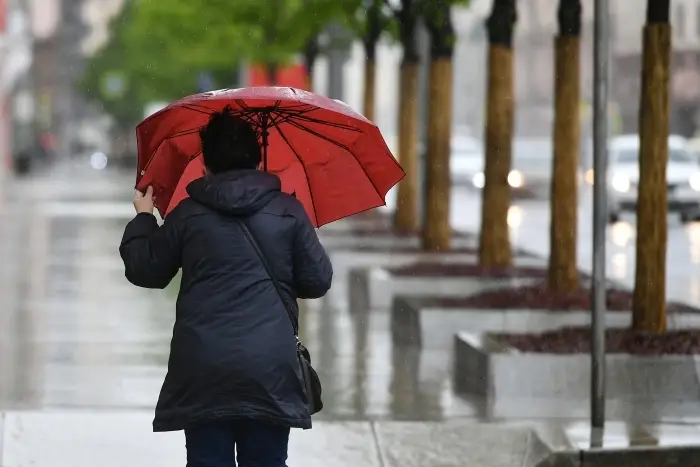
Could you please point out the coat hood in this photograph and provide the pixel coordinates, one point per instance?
(238, 192)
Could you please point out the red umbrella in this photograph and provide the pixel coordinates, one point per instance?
(331, 158)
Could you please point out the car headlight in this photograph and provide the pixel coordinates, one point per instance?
(620, 183)
(515, 179)
(695, 181)
(589, 176)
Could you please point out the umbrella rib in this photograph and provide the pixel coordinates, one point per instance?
(196, 155)
(318, 135)
(303, 166)
(241, 103)
(182, 133)
(299, 113)
(287, 116)
(288, 112)
(192, 107)
(341, 126)
(249, 120)
(296, 124)
(174, 135)
(190, 159)
(196, 108)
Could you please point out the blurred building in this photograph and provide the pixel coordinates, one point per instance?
(45, 17)
(97, 14)
(536, 28)
(65, 33)
(16, 104)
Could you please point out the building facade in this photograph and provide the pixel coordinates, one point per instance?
(65, 33)
(537, 26)
(16, 104)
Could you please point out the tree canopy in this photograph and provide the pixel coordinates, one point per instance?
(158, 49)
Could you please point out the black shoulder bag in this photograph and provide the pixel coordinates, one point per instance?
(312, 383)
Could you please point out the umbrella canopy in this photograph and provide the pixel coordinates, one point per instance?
(330, 157)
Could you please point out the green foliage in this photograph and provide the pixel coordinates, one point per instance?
(160, 47)
(127, 107)
(368, 19)
(225, 31)
(436, 15)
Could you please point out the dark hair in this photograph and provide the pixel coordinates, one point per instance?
(229, 143)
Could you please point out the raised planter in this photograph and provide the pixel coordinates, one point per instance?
(397, 255)
(377, 239)
(427, 323)
(350, 284)
(430, 321)
(538, 296)
(486, 366)
(376, 287)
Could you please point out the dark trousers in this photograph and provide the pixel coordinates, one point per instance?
(252, 444)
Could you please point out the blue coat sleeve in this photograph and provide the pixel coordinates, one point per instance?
(313, 272)
(151, 253)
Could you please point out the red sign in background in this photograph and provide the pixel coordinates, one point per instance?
(292, 75)
(3, 15)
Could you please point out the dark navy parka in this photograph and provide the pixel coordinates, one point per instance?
(233, 353)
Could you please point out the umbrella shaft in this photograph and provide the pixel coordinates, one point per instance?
(264, 124)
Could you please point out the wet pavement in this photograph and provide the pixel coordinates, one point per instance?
(83, 354)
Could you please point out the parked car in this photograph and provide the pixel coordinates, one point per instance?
(694, 147)
(682, 176)
(531, 167)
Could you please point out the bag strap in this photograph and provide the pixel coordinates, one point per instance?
(256, 246)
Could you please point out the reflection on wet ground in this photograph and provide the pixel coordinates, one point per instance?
(74, 332)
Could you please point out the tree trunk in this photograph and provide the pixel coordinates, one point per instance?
(370, 39)
(437, 233)
(649, 301)
(311, 51)
(406, 214)
(563, 272)
(494, 241)
(369, 78)
(310, 79)
(271, 74)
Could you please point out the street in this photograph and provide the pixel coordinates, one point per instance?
(83, 353)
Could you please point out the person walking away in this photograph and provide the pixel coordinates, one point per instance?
(233, 383)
